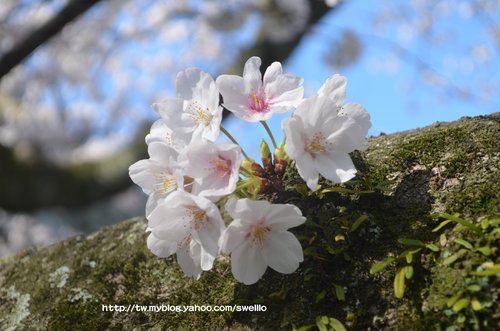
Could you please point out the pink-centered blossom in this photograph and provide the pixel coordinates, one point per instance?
(258, 237)
(189, 226)
(253, 98)
(214, 168)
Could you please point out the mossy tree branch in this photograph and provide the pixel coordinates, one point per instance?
(447, 167)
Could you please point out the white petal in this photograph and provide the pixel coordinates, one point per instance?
(143, 174)
(284, 216)
(169, 108)
(236, 94)
(307, 170)
(151, 204)
(248, 211)
(247, 264)
(251, 72)
(294, 145)
(337, 167)
(286, 90)
(232, 237)
(209, 237)
(315, 110)
(349, 136)
(282, 252)
(191, 82)
(272, 73)
(162, 153)
(162, 133)
(195, 159)
(159, 247)
(168, 219)
(359, 114)
(334, 88)
(185, 261)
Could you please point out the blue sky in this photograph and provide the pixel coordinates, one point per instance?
(397, 99)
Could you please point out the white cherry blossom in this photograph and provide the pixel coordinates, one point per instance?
(319, 140)
(253, 98)
(195, 111)
(258, 238)
(214, 167)
(157, 176)
(189, 226)
(335, 89)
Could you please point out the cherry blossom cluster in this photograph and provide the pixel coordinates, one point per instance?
(189, 174)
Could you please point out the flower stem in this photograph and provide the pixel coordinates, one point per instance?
(234, 142)
(245, 172)
(264, 124)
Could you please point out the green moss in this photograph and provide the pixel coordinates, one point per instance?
(445, 283)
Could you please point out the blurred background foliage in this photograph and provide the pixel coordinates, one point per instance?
(77, 78)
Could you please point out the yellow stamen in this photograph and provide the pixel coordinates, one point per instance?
(222, 167)
(169, 184)
(258, 232)
(198, 216)
(166, 183)
(316, 145)
(201, 115)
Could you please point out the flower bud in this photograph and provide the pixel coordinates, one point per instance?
(257, 170)
(265, 153)
(279, 153)
(247, 164)
(280, 166)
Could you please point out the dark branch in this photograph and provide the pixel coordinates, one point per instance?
(21, 50)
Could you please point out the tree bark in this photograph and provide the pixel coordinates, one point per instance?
(417, 175)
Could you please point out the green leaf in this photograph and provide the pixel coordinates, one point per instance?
(345, 190)
(339, 292)
(320, 324)
(463, 222)
(408, 272)
(409, 257)
(399, 283)
(377, 267)
(449, 260)
(495, 222)
(336, 324)
(320, 296)
(464, 243)
(411, 242)
(460, 304)
(308, 277)
(432, 247)
(304, 328)
(409, 251)
(361, 219)
(491, 271)
(473, 288)
(451, 301)
(302, 189)
(476, 305)
(485, 250)
(441, 225)
(310, 251)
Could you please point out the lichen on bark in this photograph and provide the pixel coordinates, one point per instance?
(418, 174)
